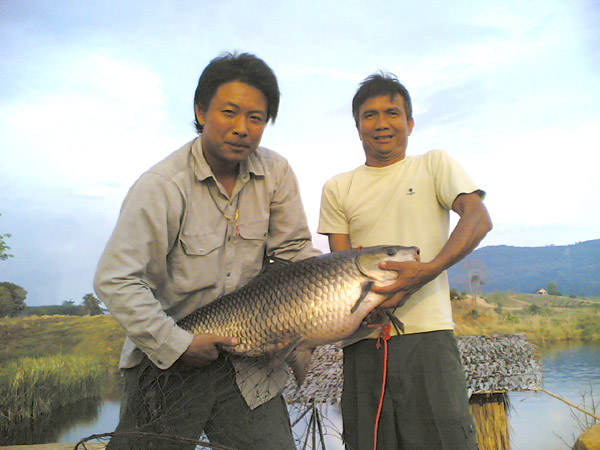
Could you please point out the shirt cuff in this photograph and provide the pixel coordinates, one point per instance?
(172, 349)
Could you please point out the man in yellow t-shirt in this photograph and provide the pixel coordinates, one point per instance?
(405, 200)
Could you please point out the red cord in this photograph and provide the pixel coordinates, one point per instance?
(385, 336)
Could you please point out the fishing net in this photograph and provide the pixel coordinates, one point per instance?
(176, 404)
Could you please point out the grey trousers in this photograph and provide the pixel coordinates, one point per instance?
(184, 401)
(425, 406)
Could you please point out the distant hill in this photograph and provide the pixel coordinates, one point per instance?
(574, 268)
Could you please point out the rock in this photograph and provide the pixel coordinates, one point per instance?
(589, 439)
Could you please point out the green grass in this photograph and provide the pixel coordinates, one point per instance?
(31, 387)
(49, 361)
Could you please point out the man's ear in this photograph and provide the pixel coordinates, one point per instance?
(199, 115)
(411, 125)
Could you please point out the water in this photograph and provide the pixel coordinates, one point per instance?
(539, 422)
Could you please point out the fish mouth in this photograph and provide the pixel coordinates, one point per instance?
(368, 262)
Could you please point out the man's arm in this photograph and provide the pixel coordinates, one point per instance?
(134, 263)
(339, 242)
(472, 227)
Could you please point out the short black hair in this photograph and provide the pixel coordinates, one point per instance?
(242, 67)
(380, 83)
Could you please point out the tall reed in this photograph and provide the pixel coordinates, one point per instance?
(30, 387)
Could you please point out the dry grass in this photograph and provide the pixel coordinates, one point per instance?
(490, 414)
(541, 324)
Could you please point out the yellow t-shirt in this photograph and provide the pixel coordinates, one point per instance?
(406, 203)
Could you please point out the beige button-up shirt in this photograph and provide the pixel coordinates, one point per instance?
(176, 247)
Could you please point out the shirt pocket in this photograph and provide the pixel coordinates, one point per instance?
(252, 246)
(196, 267)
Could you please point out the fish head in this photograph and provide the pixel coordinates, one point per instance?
(369, 258)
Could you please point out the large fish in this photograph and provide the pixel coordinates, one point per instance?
(288, 311)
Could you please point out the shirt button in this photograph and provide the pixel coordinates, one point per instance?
(159, 362)
(228, 274)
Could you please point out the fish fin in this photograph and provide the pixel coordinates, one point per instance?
(299, 361)
(398, 325)
(364, 290)
(281, 351)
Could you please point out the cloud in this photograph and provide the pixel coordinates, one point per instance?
(94, 93)
(100, 121)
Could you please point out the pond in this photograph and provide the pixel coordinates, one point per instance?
(539, 422)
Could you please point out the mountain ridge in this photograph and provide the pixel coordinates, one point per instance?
(575, 268)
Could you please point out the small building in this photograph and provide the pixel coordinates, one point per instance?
(542, 291)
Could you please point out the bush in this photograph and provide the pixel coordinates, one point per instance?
(473, 314)
(589, 328)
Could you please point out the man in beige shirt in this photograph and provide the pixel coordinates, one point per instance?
(194, 227)
(401, 199)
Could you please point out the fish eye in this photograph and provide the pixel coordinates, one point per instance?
(390, 251)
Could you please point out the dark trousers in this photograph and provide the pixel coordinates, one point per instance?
(184, 401)
(425, 406)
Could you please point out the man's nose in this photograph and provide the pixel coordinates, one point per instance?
(240, 127)
(381, 122)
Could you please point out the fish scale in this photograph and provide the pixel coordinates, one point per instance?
(290, 310)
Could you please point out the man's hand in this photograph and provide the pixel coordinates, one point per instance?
(412, 276)
(204, 349)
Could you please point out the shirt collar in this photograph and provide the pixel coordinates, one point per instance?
(203, 171)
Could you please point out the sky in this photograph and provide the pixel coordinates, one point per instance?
(93, 93)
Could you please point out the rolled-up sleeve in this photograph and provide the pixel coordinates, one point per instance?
(134, 264)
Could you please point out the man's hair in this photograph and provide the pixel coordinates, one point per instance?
(242, 67)
(378, 84)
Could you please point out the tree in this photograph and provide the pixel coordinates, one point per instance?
(475, 272)
(69, 308)
(12, 299)
(4, 255)
(91, 305)
(475, 285)
(552, 289)
(534, 309)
